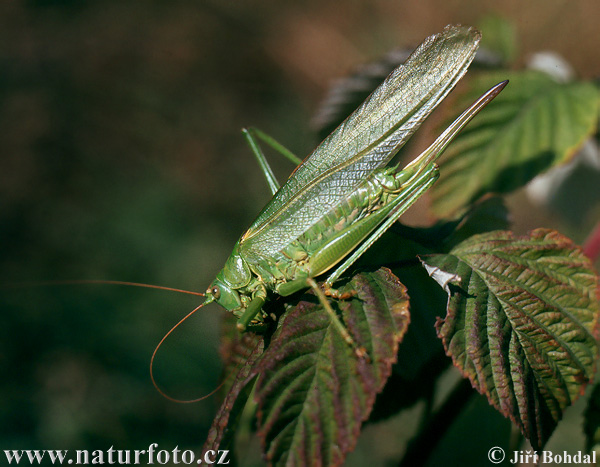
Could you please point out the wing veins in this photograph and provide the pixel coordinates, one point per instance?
(388, 99)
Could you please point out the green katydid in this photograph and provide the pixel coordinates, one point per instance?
(343, 197)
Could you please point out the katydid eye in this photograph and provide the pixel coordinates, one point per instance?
(216, 292)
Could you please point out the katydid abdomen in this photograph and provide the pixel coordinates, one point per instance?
(343, 228)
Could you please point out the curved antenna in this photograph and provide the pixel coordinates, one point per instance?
(101, 281)
(160, 391)
(149, 286)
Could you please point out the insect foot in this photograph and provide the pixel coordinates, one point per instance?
(362, 354)
(335, 293)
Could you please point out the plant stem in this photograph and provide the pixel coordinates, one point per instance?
(421, 447)
(591, 247)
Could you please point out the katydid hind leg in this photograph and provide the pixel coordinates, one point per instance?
(413, 191)
(425, 173)
(439, 145)
(360, 351)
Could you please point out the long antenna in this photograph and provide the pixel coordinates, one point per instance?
(160, 391)
(134, 284)
(99, 281)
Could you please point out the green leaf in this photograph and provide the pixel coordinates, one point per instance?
(421, 356)
(521, 322)
(487, 214)
(313, 392)
(533, 124)
(499, 36)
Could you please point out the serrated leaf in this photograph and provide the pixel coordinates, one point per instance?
(521, 323)
(220, 435)
(313, 392)
(533, 124)
(235, 349)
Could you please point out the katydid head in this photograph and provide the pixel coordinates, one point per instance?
(224, 295)
(226, 288)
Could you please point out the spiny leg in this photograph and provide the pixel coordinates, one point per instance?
(421, 173)
(274, 144)
(360, 352)
(262, 161)
(436, 149)
(252, 136)
(413, 192)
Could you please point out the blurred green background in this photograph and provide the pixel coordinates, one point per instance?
(122, 159)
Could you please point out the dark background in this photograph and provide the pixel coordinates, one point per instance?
(121, 158)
